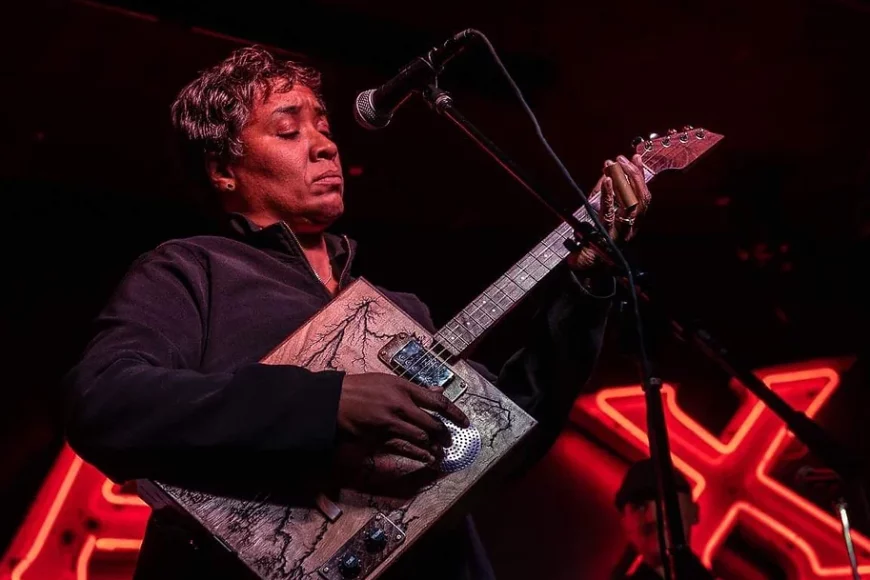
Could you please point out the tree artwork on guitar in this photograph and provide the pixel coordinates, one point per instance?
(360, 529)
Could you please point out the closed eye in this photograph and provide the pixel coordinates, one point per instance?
(290, 135)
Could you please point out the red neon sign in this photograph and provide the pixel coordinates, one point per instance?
(79, 522)
(731, 474)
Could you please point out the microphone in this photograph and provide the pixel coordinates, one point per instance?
(816, 480)
(374, 108)
(814, 475)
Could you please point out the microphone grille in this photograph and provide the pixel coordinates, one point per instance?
(366, 114)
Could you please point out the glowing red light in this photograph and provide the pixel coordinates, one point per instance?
(731, 475)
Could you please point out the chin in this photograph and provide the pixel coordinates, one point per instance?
(333, 210)
(324, 215)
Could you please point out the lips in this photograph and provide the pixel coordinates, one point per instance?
(329, 178)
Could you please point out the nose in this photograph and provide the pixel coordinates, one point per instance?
(322, 147)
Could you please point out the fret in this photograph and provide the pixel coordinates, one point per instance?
(455, 335)
(582, 215)
(483, 318)
(557, 237)
(521, 278)
(469, 324)
(489, 307)
(510, 288)
(550, 254)
(534, 267)
(550, 258)
(461, 334)
(477, 312)
(485, 310)
(499, 298)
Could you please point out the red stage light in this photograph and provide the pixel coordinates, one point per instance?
(79, 515)
(731, 475)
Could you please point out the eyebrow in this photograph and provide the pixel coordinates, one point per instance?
(294, 110)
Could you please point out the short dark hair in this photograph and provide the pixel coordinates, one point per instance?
(210, 112)
(639, 484)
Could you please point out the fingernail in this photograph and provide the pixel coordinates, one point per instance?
(430, 458)
(608, 163)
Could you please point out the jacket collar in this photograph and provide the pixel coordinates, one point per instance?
(278, 237)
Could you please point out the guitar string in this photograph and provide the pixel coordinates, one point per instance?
(437, 350)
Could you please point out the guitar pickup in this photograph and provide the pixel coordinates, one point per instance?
(411, 359)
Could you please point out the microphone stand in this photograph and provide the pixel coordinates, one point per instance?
(676, 553)
(847, 469)
(842, 512)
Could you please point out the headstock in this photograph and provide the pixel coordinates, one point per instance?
(676, 150)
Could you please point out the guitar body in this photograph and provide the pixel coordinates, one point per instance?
(385, 504)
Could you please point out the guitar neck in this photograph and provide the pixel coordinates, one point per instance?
(464, 329)
(676, 150)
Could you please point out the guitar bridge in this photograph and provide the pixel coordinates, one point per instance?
(410, 359)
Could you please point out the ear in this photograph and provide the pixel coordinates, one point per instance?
(220, 174)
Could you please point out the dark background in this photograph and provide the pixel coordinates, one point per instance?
(765, 238)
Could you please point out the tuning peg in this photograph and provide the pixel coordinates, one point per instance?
(636, 141)
(687, 128)
(653, 135)
(672, 131)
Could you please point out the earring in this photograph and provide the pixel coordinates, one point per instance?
(230, 187)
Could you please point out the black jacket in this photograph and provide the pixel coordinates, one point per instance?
(169, 388)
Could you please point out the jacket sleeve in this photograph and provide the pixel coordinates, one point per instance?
(548, 373)
(138, 407)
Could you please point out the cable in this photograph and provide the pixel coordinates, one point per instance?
(646, 366)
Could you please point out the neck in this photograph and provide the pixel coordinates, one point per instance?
(312, 242)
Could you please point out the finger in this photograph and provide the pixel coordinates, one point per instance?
(597, 190)
(637, 161)
(437, 431)
(645, 195)
(417, 434)
(638, 183)
(608, 205)
(407, 449)
(625, 231)
(440, 404)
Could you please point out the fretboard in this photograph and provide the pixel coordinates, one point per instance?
(498, 299)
